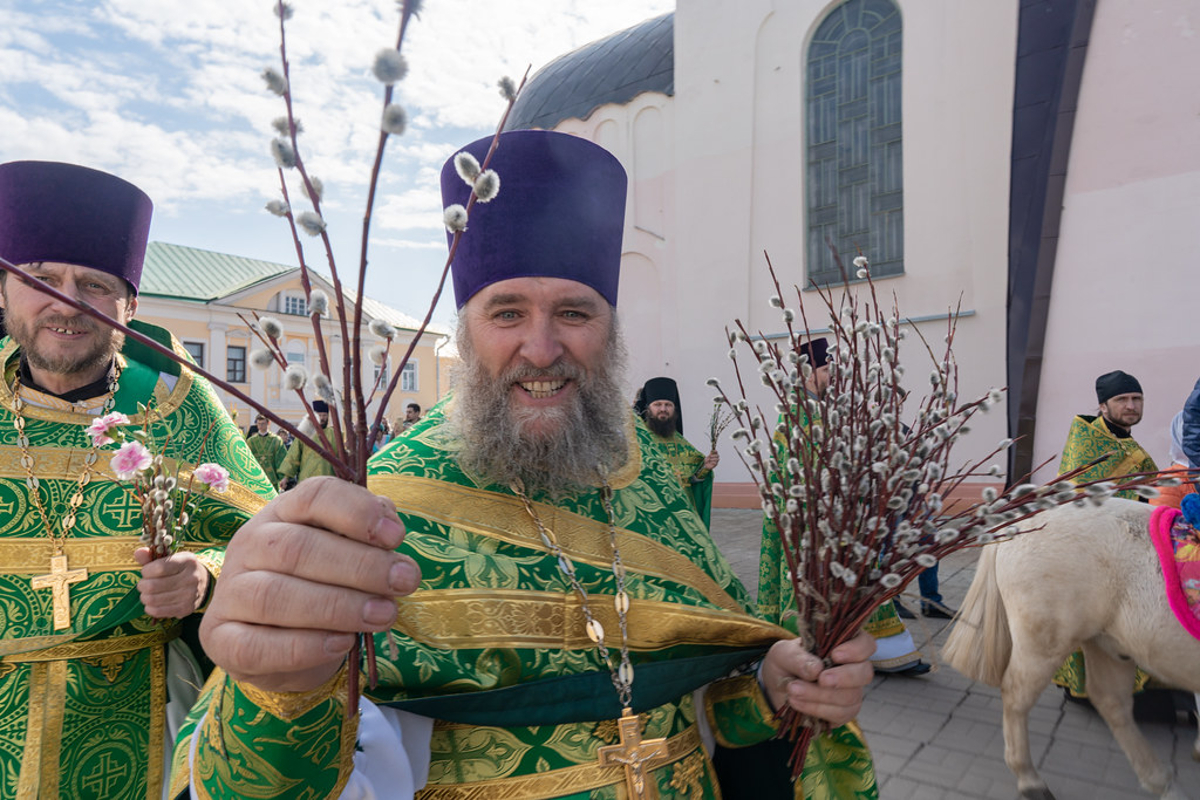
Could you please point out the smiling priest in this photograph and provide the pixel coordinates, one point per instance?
(90, 654)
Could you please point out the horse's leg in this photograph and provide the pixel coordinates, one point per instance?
(1029, 672)
(1110, 688)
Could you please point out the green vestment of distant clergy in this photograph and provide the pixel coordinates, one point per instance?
(493, 648)
(686, 462)
(1089, 438)
(270, 451)
(83, 707)
(304, 462)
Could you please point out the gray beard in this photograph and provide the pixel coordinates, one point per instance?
(500, 446)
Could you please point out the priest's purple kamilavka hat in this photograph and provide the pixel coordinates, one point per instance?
(560, 213)
(74, 215)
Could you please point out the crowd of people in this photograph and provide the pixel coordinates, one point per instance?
(549, 613)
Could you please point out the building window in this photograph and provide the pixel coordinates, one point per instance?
(235, 364)
(854, 185)
(408, 378)
(383, 374)
(295, 304)
(196, 351)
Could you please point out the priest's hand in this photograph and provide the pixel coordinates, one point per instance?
(791, 675)
(311, 569)
(171, 587)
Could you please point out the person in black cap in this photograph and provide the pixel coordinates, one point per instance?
(1090, 436)
(571, 600)
(664, 417)
(302, 461)
(88, 616)
(1119, 395)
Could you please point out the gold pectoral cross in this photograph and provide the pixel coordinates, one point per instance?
(59, 582)
(635, 755)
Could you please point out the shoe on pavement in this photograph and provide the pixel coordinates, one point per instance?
(903, 611)
(937, 612)
(910, 671)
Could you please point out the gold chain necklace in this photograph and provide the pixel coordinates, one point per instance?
(60, 578)
(633, 753)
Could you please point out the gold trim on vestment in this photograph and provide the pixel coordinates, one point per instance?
(521, 618)
(559, 782)
(29, 555)
(290, 705)
(503, 517)
(66, 463)
(94, 648)
(158, 722)
(27, 784)
(165, 405)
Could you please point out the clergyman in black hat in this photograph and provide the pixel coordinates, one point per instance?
(1120, 405)
(302, 461)
(663, 414)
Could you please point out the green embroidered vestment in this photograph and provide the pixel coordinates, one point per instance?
(686, 462)
(493, 646)
(1088, 438)
(270, 452)
(82, 710)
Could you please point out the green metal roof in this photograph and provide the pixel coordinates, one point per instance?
(186, 273)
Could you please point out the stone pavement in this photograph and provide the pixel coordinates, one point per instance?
(939, 737)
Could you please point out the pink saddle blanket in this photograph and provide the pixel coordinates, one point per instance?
(1178, 546)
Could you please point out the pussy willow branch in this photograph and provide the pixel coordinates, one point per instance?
(445, 268)
(347, 444)
(318, 334)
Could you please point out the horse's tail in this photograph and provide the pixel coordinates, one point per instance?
(980, 645)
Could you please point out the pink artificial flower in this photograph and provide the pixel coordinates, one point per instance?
(130, 459)
(214, 476)
(99, 429)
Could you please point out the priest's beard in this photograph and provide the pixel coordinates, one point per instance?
(24, 333)
(577, 443)
(660, 426)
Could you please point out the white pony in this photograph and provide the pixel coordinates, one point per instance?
(1088, 579)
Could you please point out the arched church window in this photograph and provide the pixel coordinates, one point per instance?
(854, 180)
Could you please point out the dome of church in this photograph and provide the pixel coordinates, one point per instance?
(614, 69)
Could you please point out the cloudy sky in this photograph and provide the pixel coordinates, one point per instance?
(168, 94)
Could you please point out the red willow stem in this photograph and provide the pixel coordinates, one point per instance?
(315, 319)
(350, 359)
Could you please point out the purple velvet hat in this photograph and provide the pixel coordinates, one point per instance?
(75, 215)
(560, 213)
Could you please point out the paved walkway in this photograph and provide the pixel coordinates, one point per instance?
(939, 736)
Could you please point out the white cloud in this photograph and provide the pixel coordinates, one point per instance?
(167, 94)
(409, 244)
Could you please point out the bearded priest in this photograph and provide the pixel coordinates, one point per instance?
(576, 632)
(90, 649)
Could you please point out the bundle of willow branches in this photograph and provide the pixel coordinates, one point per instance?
(858, 498)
